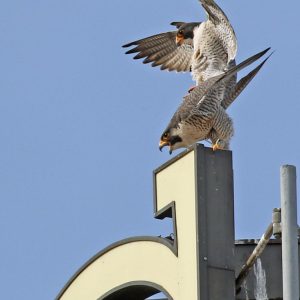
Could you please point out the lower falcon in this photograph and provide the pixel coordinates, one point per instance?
(202, 116)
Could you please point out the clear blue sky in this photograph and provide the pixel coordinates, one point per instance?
(80, 124)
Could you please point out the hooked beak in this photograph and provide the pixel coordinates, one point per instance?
(179, 40)
(162, 144)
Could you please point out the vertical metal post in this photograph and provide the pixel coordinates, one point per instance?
(215, 224)
(290, 271)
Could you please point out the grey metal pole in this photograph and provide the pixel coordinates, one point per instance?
(290, 272)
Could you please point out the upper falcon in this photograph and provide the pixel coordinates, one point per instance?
(205, 48)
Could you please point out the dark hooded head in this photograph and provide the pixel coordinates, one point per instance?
(171, 139)
(185, 32)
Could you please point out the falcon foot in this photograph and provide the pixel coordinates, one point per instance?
(217, 146)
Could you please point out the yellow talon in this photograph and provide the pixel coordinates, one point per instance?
(216, 146)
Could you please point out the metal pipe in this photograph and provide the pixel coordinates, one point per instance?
(290, 272)
(253, 257)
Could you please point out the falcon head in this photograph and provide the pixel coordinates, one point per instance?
(172, 139)
(185, 32)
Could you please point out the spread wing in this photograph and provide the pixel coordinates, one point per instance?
(215, 43)
(240, 86)
(223, 28)
(204, 100)
(161, 50)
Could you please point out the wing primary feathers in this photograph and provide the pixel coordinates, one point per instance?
(242, 84)
(149, 39)
(207, 5)
(177, 24)
(213, 82)
(246, 63)
(134, 50)
(129, 44)
(161, 49)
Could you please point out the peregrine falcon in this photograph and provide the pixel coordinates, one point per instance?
(201, 116)
(205, 48)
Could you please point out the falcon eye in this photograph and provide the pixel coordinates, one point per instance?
(166, 134)
(180, 32)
